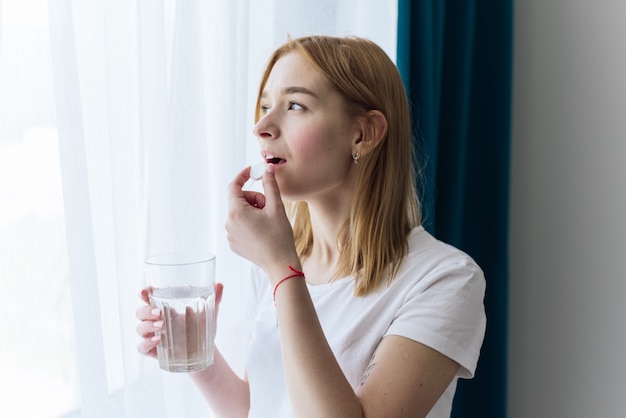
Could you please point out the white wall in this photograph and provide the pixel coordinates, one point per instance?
(567, 345)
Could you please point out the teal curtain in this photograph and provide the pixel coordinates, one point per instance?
(456, 60)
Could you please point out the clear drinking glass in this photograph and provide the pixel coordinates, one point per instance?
(182, 286)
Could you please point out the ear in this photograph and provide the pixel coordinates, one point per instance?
(373, 128)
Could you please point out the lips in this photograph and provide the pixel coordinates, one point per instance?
(272, 159)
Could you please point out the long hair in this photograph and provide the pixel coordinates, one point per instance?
(373, 240)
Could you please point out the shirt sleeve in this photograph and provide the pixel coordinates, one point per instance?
(445, 311)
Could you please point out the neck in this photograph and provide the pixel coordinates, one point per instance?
(321, 264)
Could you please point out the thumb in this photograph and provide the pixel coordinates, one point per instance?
(270, 186)
(219, 289)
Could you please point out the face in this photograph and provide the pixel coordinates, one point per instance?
(305, 131)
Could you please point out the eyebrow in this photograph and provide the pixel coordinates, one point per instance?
(291, 90)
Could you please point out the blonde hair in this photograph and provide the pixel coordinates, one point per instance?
(373, 241)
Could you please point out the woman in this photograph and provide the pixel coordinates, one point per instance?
(358, 311)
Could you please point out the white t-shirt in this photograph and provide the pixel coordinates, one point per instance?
(436, 299)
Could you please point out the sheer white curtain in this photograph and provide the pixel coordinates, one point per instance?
(153, 103)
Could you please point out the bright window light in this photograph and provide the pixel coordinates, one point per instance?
(37, 355)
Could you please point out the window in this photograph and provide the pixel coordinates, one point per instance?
(37, 354)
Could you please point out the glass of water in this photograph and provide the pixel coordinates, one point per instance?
(182, 287)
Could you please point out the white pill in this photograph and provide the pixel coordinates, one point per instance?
(257, 171)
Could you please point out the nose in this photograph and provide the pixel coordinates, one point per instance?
(266, 128)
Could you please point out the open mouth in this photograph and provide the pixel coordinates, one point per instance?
(270, 159)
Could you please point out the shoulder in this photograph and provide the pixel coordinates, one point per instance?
(422, 243)
(429, 259)
(442, 293)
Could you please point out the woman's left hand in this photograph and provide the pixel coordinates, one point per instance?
(257, 227)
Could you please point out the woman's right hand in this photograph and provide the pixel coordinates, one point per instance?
(257, 226)
(150, 322)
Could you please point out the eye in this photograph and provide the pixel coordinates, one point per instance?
(295, 106)
(264, 108)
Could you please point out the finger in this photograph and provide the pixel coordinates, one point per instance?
(148, 312)
(237, 196)
(270, 186)
(147, 347)
(219, 291)
(145, 294)
(235, 187)
(255, 199)
(147, 329)
(234, 191)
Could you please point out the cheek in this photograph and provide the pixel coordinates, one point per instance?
(323, 159)
(304, 145)
(321, 144)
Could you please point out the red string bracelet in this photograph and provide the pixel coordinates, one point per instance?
(296, 274)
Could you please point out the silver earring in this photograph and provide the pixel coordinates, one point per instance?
(355, 157)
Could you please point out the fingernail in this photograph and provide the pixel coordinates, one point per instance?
(157, 324)
(155, 311)
(156, 338)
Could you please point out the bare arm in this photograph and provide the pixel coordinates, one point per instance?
(405, 379)
(227, 394)
(316, 384)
